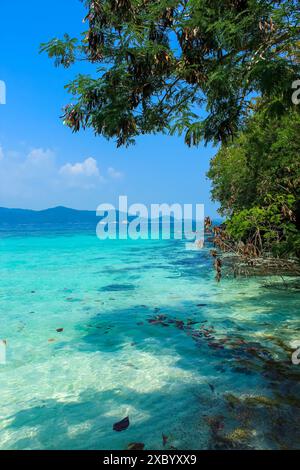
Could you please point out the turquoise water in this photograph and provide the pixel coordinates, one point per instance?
(149, 334)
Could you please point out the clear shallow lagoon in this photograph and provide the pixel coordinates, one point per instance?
(148, 333)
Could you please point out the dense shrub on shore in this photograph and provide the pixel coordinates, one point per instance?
(256, 179)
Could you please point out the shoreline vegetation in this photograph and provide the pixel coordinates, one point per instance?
(256, 180)
(244, 259)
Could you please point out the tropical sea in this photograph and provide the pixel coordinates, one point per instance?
(100, 330)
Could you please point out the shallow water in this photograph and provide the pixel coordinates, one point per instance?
(149, 334)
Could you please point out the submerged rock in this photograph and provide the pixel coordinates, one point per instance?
(136, 446)
(179, 324)
(154, 321)
(216, 423)
(232, 400)
(191, 322)
(158, 320)
(236, 440)
(121, 425)
(260, 400)
(239, 435)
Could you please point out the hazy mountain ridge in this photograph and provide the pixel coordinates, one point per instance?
(56, 215)
(53, 215)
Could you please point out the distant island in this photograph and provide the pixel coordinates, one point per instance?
(57, 215)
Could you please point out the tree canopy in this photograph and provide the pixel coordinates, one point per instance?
(193, 67)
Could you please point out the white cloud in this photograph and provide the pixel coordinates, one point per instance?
(1, 153)
(114, 173)
(82, 174)
(87, 168)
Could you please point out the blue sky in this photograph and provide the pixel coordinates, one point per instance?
(42, 164)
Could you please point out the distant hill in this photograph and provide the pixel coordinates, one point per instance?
(54, 216)
(57, 215)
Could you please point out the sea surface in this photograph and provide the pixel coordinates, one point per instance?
(100, 330)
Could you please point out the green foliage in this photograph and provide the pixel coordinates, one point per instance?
(256, 179)
(157, 63)
(63, 51)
